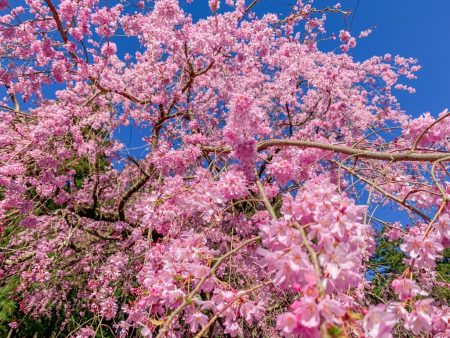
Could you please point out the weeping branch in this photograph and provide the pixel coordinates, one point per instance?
(409, 156)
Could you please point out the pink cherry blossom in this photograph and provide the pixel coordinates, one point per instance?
(407, 288)
(331, 310)
(344, 36)
(197, 320)
(424, 251)
(421, 317)
(163, 170)
(307, 312)
(287, 322)
(378, 323)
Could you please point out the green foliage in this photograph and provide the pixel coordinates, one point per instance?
(83, 168)
(8, 307)
(443, 272)
(387, 262)
(335, 332)
(51, 326)
(389, 257)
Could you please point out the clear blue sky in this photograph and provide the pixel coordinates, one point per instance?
(410, 28)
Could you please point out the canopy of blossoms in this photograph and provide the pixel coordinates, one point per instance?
(253, 212)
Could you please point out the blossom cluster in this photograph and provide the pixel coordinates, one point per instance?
(221, 176)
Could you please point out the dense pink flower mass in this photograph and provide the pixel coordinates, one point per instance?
(255, 208)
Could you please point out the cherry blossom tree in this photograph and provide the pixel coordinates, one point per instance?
(257, 209)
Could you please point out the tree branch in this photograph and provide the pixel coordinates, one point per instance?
(385, 193)
(410, 156)
(125, 198)
(59, 25)
(231, 302)
(13, 98)
(190, 297)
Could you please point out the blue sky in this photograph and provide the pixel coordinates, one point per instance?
(410, 28)
(413, 28)
(416, 29)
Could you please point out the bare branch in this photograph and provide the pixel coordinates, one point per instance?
(385, 193)
(374, 155)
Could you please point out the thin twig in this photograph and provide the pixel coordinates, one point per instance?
(188, 300)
